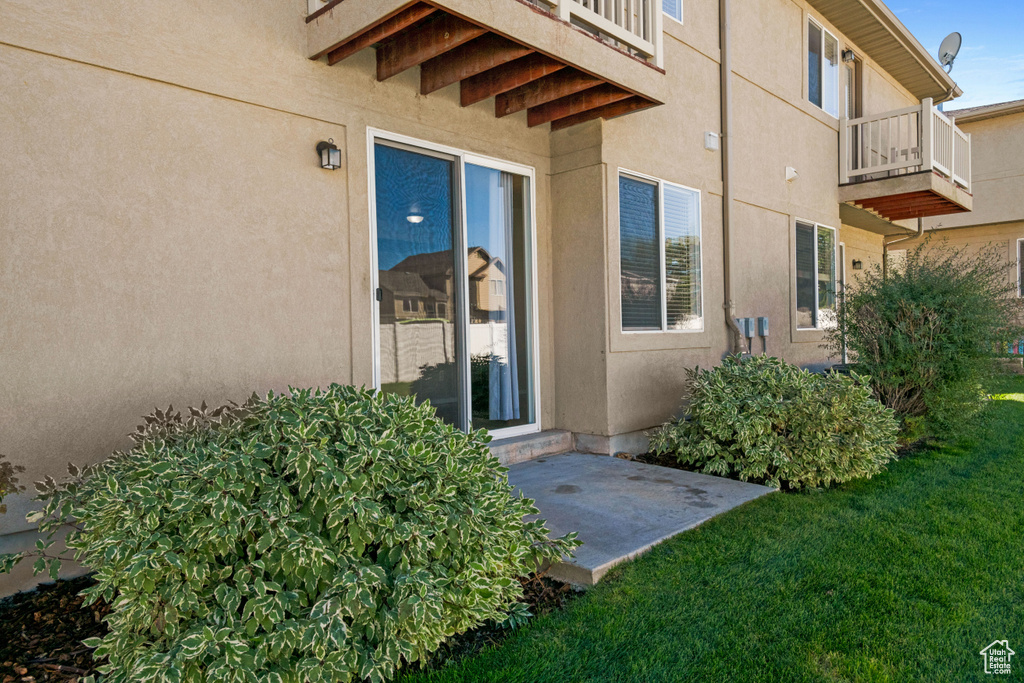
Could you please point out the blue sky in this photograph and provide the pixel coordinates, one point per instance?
(990, 67)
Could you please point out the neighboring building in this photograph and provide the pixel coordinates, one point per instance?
(997, 222)
(169, 236)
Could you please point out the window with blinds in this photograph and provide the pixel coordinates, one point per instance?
(815, 276)
(660, 260)
(673, 8)
(822, 68)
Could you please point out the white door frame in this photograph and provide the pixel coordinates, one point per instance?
(461, 158)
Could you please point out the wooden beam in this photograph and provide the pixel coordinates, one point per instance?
(421, 43)
(576, 104)
(543, 90)
(507, 76)
(921, 203)
(608, 111)
(384, 29)
(476, 56)
(951, 209)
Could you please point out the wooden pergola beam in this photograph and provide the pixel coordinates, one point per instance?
(608, 111)
(507, 76)
(475, 57)
(424, 42)
(576, 104)
(543, 90)
(381, 31)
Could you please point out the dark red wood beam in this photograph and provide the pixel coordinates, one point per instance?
(576, 104)
(507, 76)
(424, 42)
(475, 57)
(381, 31)
(608, 111)
(544, 90)
(883, 206)
(926, 213)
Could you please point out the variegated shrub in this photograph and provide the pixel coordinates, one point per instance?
(761, 418)
(320, 535)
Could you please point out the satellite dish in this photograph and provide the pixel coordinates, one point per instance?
(949, 49)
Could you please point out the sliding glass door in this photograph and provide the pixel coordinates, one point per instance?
(455, 285)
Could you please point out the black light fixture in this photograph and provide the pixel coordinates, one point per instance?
(858, 264)
(330, 155)
(849, 56)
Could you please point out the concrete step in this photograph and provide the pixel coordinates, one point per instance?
(620, 508)
(529, 446)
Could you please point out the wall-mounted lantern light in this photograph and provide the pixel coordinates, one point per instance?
(330, 155)
(858, 264)
(849, 56)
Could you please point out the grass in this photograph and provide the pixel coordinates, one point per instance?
(904, 577)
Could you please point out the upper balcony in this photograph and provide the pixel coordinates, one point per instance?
(563, 61)
(909, 163)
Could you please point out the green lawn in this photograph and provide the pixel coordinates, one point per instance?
(901, 578)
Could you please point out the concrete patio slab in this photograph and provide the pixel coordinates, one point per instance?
(620, 508)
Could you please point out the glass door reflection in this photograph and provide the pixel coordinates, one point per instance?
(417, 290)
(500, 303)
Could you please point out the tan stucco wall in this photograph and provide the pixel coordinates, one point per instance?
(166, 234)
(997, 221)
(774, 127)
(997, 166)
(1001, 238)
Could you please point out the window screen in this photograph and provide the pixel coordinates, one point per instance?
(673, 8)
(640, 256)
(814, 63)
(682, 258)
(806, 304)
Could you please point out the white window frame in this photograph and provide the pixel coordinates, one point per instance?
(807, 73)
(661, 252)
(835, 272)
(679, 19)
(461, 159)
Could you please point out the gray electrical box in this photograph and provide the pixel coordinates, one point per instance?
(762, 326)
(745, 327)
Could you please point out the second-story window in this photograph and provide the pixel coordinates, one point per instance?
(822, 68)
(673, 8)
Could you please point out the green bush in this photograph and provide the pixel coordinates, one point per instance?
(760, 418)
(8, 480)
(926, 332)
(313, 536)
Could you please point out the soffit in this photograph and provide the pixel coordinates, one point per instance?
(875, 30)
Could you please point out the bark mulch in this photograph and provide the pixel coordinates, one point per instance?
(543, 595)
(41, 633)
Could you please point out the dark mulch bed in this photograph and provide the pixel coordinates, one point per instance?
(41, 633)
(542, 593)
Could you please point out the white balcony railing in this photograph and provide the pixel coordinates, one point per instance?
(904, 141)
(632, 25)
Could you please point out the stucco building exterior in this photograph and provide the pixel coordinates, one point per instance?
(997, 221)
(614, 189)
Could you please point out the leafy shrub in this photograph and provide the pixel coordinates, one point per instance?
(312, 536)
(925, 334)
(8, 480)
(761, 418)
